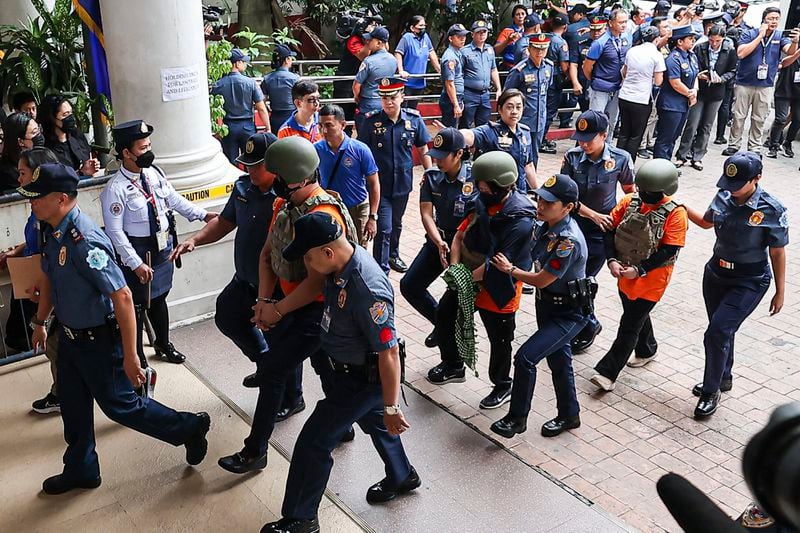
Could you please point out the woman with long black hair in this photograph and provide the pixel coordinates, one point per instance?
(62, 136)
(20, 132)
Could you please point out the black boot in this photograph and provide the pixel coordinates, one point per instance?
(508, 426)
(707, 405)
(170, 353)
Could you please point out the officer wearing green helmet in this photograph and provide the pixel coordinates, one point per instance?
(292, 324)
(502, 223)
(649, 231)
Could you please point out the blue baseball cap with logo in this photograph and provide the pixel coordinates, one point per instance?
(238, 55)
(739, 168)
(558, 187)
(590, 123)
(379, 32)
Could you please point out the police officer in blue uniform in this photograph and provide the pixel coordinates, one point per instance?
(94, 309)
(597, 168)
(532, 25)
(451, 101)
(138, 204)
(249, 212)
(391, 133)
(480, 73)
(378, 65)
(752, 231)
(559, 257)
(241, 94)
(558, 54)
(678, 93)
(361, 375)
(579, 45)
(533, 77)
(447, 195)
(277, 86)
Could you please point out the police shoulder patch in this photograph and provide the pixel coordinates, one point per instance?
(783, 221)
(115, 208)
(609, 165)
(564, 248)
(379, 311)
(97, 258)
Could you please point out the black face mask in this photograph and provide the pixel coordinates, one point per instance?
(146, 159)
(651, 197)
(420, 33)
(38, 141)
(68, 124)
(282, 189)
(491, 198)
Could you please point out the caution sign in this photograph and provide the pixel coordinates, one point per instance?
(209, 193)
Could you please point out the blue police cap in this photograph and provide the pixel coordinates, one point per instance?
(739, 168)
(479, 25)
(589, 124)
(256, 148)
(457, 29)
(683, 31)
(130, 131)
(284, 51)
(663, 5)
(379, 32)
(558, 187)
(310, 231)
(391, 86)
(532, 20)
(446, 142)
(50, 177)
(238, 55)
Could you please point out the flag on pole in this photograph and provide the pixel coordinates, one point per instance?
(89, 13)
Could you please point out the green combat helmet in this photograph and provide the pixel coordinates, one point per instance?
(657, 175)
(496, 167)
(292, 158)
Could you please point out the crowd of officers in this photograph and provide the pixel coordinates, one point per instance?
(314, 196)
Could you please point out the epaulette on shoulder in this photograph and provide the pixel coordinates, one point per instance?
(524, 126)
(372, 113)
(75, 234)
(412, 111)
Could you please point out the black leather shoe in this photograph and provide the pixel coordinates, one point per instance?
(197, 446)
(241, 462)
(292, 525)
(557, 426)
(384, 491)
(349, 436)
(397, 264)
(170, 354)
(508, 426)
(59, 484)
(729, 151)
(497, 398)
(787, 150)
(432, 340)
(707, 405)
(286, 412)
(252, 381)
(697, 165)
(582, 341)
(720, 140)
(725, 386)
(441, 374)
(548, 147)
(772, 152)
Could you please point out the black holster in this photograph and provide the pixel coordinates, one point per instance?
(372, 368)
(581, 293)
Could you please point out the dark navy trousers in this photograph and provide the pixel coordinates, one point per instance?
(390, 225)
(729, 301)
(668, 130)
(421, 274)
(348, 399)
(236, 139)
(477, 109)
(91, 370)
(597, 258)
(446, 107)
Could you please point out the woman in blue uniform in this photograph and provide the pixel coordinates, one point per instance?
(559, 256)
(447, 195)
(751, 226)
(678, 94)
(277, 86)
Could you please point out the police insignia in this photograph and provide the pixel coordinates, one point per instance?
(564, 248)
(62, 256)
(249, 147)
(384, 82)
(379, 312)
(481, 24)
(467, 189)
(784, 220)
(731, 170)
(583, 124)
(550, 181)
(35, 175)
(565, 47)
(609, 165)
(408, 125)
(97, 259)
(378, 124)
(451, 65)
(143, 127)
(530, 78)
(342, 298)
(756, 218)
(684, 66)
(115, 209)
(551, 245)
(438, 140)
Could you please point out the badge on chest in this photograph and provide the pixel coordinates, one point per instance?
(325, 323)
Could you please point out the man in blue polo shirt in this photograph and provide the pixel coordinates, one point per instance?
(759, 52)
(480, 74)
(347, 166)
(603, 65)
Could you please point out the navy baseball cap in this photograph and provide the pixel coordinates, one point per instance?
(457, 29)
(130, 131)
(532, 20)
(256, 148)
(284, 51)
(739, 168)
(558, 187)
(479, 25)
(50, 177)
(310, 231)
(590, 123)
(378, 32)
(578, 8)
(238, 55)
(683, 31)
(446, 142)
(662, 5)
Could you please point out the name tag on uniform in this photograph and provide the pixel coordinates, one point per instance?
(530, 78)
(797, 77)
(458, 208)
(504, 141)
(161, 237)
(325, 323)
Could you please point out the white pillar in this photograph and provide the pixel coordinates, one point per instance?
(15, 11)
(141, 39)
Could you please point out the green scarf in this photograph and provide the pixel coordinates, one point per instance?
(459, 279)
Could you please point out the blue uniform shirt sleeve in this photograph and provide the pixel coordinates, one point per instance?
(778, 236)
(448, 68)
(425, 193)
(229, 212)
(673, 67)
(423, 137)
(560, 261)
(95, 262)
(481, 134)
(363, 72)
(258, 95)
(626, 174)
(375, 319)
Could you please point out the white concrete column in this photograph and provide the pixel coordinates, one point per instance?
(15, 11)
(141, 39)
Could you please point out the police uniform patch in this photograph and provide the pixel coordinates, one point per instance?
(249, 147)
(438, 140)
(384, 82)
(35, 175)
(530, 78)
(564, 248)
(550, 181)
(409, 126)
(784, 220)
(347, 161)
(342, 298)
(684, 66)
(115, 208)
(467, 189)
(555, 264)
(756, 218)
(451, 65)
(97, 259)
(609, 165)
(386, 335)
(731, 170)
(565, 47)
(378, 124)
(143, 127)
(62, 256)
(481, 23)
(379, 312)
(583, 124)
(551, 245)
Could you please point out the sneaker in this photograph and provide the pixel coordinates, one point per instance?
(528, 289)
(772, 152)
(497, 398)
(787, 150)
(720, 140)
(730, 150)
(603, 382)
(48, 404)
(441, 374)
(638, 362)
(644, 154)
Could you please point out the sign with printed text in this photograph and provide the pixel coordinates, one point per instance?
(181, 83)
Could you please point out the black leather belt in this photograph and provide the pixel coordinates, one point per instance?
(89, 334)
(346, 368)
(478, 91)
(740, 268)
(555, 299)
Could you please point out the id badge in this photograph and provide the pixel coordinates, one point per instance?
(325, 323)
(762, 72)
(797, 77)
(161, 237)
(537, 266)
(458, 208)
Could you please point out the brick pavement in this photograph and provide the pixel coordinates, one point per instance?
(643, 429)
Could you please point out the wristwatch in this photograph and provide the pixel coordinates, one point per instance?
(36, 322)
(391, 410)
(373, 216)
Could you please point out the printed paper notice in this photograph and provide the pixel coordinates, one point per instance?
(181, 83)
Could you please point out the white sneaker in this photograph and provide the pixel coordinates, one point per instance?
(638, 362)
(603, 382)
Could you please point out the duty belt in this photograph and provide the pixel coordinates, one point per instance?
(346, 368)
(740, 268)
(89, 334)
(479, 91)
(555, 299)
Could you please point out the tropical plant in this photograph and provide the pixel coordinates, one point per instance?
(325, 87)
(43, 56)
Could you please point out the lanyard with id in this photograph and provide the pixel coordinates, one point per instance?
(146, 190)
(763, 68)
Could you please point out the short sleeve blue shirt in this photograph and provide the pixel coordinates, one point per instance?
(597, 180)
(240, 93)
(356, 164)
(498, 136)
(478, 66)
(561, 251)
(452, 69)
(768, 52)
(378, 65)
(415, 52)
(452, 200)
(683, 66)
(277, 86)
(609, 56)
